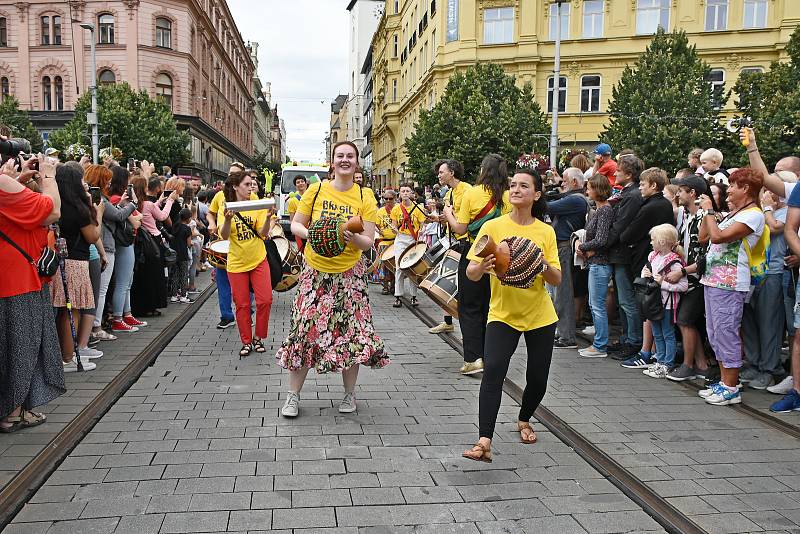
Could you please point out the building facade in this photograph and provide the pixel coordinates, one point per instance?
(262, 112)
(419, 44)
(338, 124)
(187, 52)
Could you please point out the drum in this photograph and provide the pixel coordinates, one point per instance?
(387, 258)
(325, 236)
(277, 231)
(372, 259)
(441, 284)
(292, 263)
(217, 252)
(415, 263)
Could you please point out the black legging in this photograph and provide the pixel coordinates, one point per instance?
(501, 342)
(473, 309)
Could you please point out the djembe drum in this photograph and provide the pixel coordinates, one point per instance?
(326, 238)
(526, 263)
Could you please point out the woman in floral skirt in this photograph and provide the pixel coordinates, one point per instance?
(332, 327)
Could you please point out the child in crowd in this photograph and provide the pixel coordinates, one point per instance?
(181, 243)
(663, 260)
(196, 248)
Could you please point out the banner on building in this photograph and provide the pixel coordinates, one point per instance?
(452, 20)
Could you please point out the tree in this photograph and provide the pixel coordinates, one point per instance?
(19, 123)
(482, 111)
(772, 101)
(142, 127)
(662, 106)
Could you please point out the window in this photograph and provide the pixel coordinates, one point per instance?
(755, 14)
(59, 93)
(433, 47)
(163, 33)
(5, 87)
(107, 77)
(394, 90)
(396, 45)
(564, 21)
(593, 19)
(590, 94)
(716, 15)
(47, 96)
(164, 88)
(498, 25)
(717, 80)
(562, 94)
(46, 31)
(650, 14)
(752, 70)
(106, 24)
(3, 32)
(452, 21)
(433, 7)
(396, 7)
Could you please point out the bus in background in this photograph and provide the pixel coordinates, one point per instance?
(313, 172)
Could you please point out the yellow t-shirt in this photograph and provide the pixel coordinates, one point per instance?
(291, 206)
(341, 205)
(218, 204)
(521, 309)
(474, 200)
(247, 249)
(416, 217)
(454, 198)
(385, 224)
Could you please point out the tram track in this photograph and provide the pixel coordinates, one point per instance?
(31, 477)
(664, 513)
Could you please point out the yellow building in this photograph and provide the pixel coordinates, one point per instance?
(419, 44)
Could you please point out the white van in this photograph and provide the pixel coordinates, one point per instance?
(286, 187)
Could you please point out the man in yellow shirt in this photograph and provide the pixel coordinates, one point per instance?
(387, 236)
(300, 184)
(407, 220)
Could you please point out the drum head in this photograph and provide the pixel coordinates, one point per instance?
(222, 246)
(277, 231)
(412, 255)
(282, 244)
(388, 253)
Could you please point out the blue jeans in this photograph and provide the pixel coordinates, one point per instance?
(124, 260)
(225, 295)
(627, 302)
(788, 300)
(762, 325)
(599, 276)
(664, 335)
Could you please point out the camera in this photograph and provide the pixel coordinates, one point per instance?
(24, 157)
(734, 125)
(13, 146)
(96, 195)
(132, 164)
(130, 191)
(551, 192)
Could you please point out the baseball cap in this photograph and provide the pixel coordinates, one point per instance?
(604, 149)
(693, 182)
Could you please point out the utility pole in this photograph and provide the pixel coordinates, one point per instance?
(91, 118)
(556, 89)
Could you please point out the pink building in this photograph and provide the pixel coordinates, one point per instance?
(188, 52)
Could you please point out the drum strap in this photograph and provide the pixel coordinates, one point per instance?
(407, 222)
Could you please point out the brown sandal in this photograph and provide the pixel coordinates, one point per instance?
(484, 454)
(14, 423)
(31, 419)
(522, 427)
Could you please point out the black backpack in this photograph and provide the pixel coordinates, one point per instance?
(648, 294)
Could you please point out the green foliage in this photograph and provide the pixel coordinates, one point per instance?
(19, 123)
(142, 127)
(772, 101)
(662, 107)
(482, 111)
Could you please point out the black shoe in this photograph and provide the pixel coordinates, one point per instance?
(225, 323)
(712, 376)
(616, 347)
(562, 343)
(624, 353)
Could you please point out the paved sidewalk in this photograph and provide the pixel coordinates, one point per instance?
(724, 469)
(17, 449)
(197, 445)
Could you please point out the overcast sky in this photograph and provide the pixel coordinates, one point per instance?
(303, 52)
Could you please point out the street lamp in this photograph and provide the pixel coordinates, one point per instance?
(556, 87)
(91, 118)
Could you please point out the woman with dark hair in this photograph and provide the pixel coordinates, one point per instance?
(31, 372)
(486, 200)
(331, 328)
(516, 311)
(720, 193)
(248, 268)
(728, 276)
(79, 226)
(122, 320)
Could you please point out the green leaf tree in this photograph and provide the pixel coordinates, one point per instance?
(19, 123)
(142, 127)
(662, 106)
(482, 111)
(772, 101)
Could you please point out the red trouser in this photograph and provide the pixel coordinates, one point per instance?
(259, 280)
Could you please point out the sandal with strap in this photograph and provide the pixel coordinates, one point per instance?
(479, 452)
(258, 345)
(397, 303)
(526, 428)
(31, 419)
(14, 423)
(245, 351)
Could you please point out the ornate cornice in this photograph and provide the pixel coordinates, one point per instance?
(22, 8)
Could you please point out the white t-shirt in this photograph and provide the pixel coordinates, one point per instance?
(727, 266)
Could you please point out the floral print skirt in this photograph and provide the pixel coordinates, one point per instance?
(331, 326)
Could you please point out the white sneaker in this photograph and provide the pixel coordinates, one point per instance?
(588, 331)
(783, 387)
(591, 352)
(292, 405)
(441, 328)
(185, 300)
(348, 404)
(173, 299)
(657, 371)
(72, 366)
(89, 353)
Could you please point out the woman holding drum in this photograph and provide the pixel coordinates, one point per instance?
(526, 258)
(407, 219)
(331, 327)
(247, 264)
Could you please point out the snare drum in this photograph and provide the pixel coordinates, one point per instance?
(415, 262)
(217, 252)
(291, 264)
(441, 284)
(387, 258)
